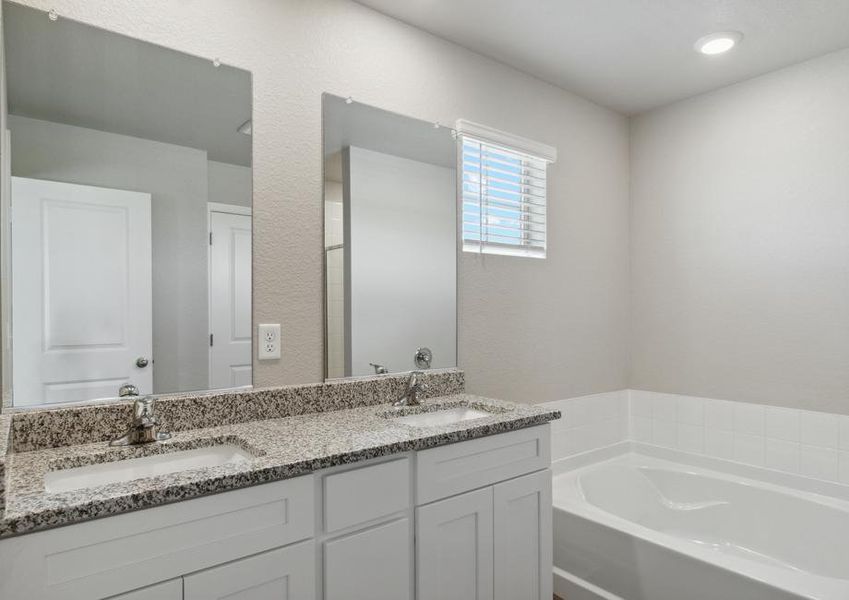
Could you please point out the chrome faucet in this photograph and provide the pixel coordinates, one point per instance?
(414, 388)
(144, 427)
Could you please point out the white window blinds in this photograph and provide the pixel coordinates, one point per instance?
(503, 193)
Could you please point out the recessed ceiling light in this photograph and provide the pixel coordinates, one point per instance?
(718, 43)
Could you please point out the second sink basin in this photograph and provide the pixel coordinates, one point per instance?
(76, 478)
(448, 416)
(436, 415)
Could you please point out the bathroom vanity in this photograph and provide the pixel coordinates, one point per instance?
(340, 504)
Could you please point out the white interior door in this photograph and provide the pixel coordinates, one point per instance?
(81, 291)
(230, 322)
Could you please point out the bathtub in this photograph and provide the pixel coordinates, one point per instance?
(642, 528)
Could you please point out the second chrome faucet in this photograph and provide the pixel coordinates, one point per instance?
(414, 387)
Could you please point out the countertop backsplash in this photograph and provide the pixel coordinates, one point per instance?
(98, 422)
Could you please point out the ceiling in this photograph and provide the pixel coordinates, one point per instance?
(71, 73)
(633, 55)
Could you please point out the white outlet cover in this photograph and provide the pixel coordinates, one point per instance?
(268, 346)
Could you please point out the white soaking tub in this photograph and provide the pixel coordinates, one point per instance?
(643, 528)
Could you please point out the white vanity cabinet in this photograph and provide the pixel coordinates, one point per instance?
(454, 539)
(495, 542)
(465, 521)
(367, 530)
(127, 552)
(522, 542)
(375, 563)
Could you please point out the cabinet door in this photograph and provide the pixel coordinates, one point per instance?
(523, 538)
(454, 547)
(374, 564)
(282, 574)
(168, 590)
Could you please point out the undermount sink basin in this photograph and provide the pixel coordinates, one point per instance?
(76, 478)
(441, 417)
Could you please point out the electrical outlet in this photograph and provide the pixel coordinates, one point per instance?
(268, 344)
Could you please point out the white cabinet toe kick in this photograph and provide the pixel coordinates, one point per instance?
(470, 520)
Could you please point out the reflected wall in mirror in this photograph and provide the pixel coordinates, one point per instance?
(130, 190)
(390, 235)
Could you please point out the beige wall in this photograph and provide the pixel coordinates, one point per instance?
(529, 330)
(740, 241)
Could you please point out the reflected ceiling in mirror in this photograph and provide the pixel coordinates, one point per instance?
(130, 250)
(390, 241)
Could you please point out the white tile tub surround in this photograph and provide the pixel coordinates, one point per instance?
(589, 423)
(812, 444)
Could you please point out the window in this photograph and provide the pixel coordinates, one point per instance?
(503, 192)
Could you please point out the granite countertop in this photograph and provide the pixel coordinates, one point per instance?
(282, 448)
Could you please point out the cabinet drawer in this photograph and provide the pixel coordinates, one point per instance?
(105, 557)
(367, 493)
(282, 574)
(456, 468)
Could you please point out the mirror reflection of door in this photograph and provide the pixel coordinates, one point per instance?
(81, 272)
(229, 296)
(112, 276)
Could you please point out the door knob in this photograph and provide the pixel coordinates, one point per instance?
(142, 362)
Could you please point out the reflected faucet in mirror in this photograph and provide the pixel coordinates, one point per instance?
(423, 357)
(128, 389)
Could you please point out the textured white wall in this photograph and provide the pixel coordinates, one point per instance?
(529, 330)
(740, 241)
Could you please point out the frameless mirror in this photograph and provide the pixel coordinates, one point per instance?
(129, 243)
(390, 241)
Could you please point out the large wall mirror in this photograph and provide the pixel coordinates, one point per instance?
(390, 241)
(127, 200)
